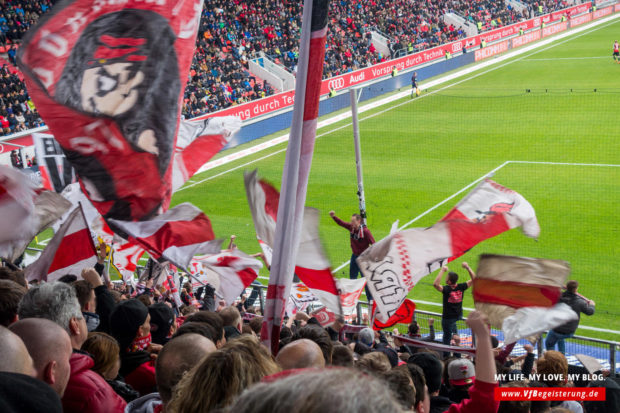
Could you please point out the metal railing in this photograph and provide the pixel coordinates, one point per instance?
(606, 350)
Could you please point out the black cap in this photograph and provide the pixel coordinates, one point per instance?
(432, 368)
(125, 320)
(162, 318)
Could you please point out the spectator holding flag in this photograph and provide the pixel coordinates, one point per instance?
(579, 304)
(452, 299)
(361, 239)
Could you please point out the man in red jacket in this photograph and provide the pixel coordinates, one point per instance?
(361, 239)
(130, 325)
(86, 391)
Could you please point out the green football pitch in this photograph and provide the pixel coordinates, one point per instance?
(547, 121)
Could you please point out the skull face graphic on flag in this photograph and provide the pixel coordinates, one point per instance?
(108, 78)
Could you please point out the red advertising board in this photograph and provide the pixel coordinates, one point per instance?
(603, 12)
(554, 28)
(526, 38)
(576, 21)
(491, 50)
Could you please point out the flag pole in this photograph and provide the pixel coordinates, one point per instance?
(358, 154)
(296, 166)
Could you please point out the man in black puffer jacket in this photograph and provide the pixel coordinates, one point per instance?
(579, 304)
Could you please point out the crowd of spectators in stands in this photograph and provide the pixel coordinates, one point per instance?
(232, 32)
(17, 112)
(84, 345)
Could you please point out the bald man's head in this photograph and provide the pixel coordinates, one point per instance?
(50, 348)
(15, 357)
(300, 354)
(178, 356)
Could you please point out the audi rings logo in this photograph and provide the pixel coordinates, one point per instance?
(335, 84)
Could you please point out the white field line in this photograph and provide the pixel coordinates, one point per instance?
(612, 165)
(346, 115)
(569, 58)
(602, 330)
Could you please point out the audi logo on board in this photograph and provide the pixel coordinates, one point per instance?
(336, 83)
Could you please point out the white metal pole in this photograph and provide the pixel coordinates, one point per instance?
(358, 154)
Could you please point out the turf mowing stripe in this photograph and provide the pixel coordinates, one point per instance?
(283, 138)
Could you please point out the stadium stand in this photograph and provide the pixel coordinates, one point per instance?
(233, 32)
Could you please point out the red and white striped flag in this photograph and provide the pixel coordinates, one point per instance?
(176, 235)
(505, 284)
(311, 264)
(296, 167)
(70, 251)
(394, 265)
(235, 271)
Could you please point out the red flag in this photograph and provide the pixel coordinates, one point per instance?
(108, 79)
(404, 315)
(176, 235)
(311, 264)
(70, 251)
(296, 167)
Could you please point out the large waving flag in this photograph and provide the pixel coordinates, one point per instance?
(519, 289)
(235, 271)
(108, 79)
(296, 167)
(311, 263)
(499, 207)
(395, 264)
(176, 235)
(25, 212)
(70, 251)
